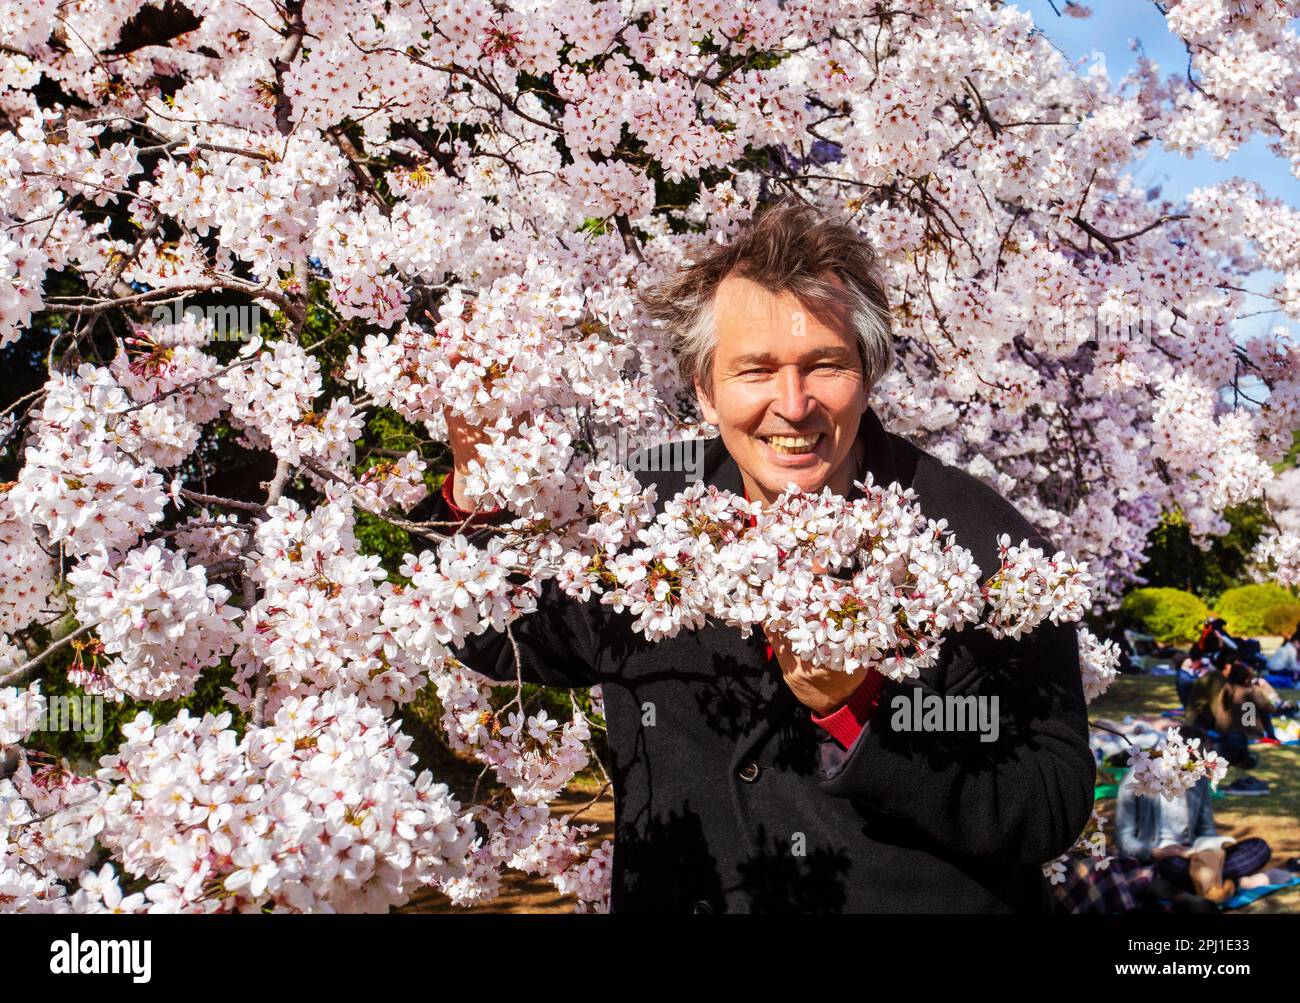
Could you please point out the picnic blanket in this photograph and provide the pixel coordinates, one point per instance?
(1245, 898)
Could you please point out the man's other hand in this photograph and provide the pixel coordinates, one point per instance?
(823, 691)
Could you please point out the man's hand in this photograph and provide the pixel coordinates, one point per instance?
(820, 690)
(1172, 850)
(463, 438)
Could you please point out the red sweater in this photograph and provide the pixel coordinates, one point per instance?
(844, 724)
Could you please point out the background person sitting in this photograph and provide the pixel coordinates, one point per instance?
(1207, 709)
(1188, 673)
(1285, 660)
(1238, 706)
(1214, 643)
(1247, 703)
(1180, 837)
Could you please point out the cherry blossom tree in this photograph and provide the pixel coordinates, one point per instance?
(451, 208)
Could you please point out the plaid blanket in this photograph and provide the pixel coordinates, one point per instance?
(1116, 887)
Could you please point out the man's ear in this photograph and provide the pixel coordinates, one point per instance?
(706, 405)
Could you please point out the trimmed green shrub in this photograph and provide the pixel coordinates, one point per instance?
(1281, 621)
(1171, 616)
(1244, 607)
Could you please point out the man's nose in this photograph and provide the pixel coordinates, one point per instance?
(793, 402)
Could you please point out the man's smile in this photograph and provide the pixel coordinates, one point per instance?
(803, 445)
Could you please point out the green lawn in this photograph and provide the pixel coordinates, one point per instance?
(1275, 817)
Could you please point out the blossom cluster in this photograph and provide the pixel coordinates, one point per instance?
(20, 710)
(316, 624)
(1280, 550)
(1175, 766)
(866, 583)
(534, 757)
(318, 811)
(27, 574)
(158, 618)
(1099, 663)
(273, 399)
(1091, 846)
(84, 482)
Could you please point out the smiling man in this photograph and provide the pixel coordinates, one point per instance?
(744, 779)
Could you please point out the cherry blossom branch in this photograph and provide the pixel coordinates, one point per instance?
(78, 304)
(1112, 243)
(206, 499)
(16, 675)
(605, 788)
(1102, 727)
(295, 30)
(987, 116)
(274, 490)
(237, 151)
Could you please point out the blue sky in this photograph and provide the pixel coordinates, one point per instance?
(1108, 35)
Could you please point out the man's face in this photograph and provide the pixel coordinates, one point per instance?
(786, 391)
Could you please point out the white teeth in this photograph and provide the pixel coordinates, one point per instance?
(792, 443)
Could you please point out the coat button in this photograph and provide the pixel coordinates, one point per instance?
(701, 907)
(749, 772)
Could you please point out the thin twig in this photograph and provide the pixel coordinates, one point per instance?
(17, 674)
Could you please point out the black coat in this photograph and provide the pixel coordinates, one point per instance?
(716, 797)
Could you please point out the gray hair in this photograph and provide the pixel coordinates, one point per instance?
(789, 247)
